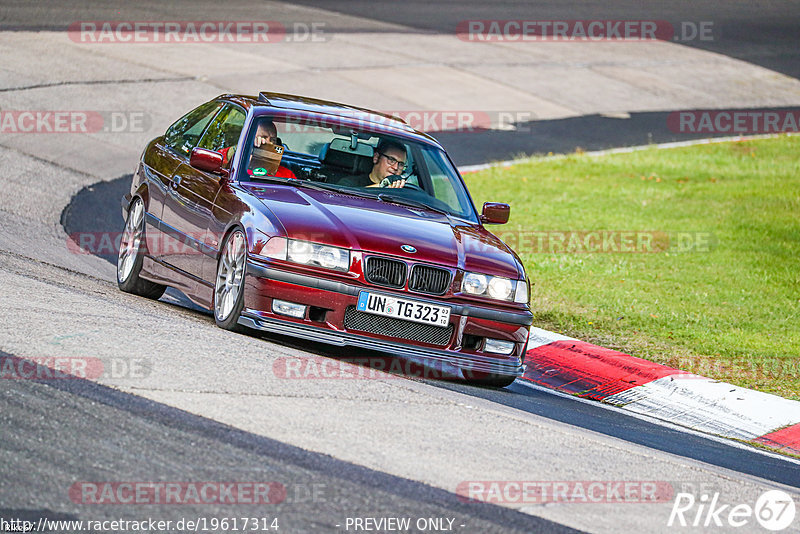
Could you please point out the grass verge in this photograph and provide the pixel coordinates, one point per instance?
(689, 257)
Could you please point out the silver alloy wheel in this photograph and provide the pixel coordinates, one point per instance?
(131, 239)
(230, 275)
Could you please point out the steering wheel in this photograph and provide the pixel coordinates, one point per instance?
(385, 184)
(412, 186)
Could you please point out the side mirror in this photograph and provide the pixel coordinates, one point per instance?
(207, 160)
(495, 213)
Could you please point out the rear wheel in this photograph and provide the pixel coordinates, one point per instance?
(229, 285)
(131, 255)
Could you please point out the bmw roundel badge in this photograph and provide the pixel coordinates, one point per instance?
(409, 249)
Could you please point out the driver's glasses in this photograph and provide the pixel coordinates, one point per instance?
(394, 161)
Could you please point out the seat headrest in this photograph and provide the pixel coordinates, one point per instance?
(340, 157)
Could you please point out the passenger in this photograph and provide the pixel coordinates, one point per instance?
(267, 133)
(388, 161)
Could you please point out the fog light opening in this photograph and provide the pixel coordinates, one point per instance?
(471, 342)
(291, 309)
(498, 346)
(317, 314)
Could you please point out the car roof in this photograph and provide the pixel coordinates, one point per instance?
(284, 101)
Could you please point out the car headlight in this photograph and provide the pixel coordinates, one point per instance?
(499, 288)
(495, 287)
(307, 253)
(474, 284)
(300, 252)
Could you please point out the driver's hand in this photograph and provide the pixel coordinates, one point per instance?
(397, 183)
(261, 140)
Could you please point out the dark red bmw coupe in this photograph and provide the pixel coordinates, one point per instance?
(330, 223)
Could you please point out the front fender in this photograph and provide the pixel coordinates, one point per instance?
(247, 213)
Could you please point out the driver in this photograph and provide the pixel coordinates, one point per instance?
(388, 161)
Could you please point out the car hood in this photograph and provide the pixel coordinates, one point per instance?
(374, 226)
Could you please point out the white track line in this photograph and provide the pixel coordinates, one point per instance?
(661, 422)
(710, 405)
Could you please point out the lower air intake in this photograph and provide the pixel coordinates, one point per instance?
(399, 328)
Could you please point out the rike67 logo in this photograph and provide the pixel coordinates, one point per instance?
(774, 510)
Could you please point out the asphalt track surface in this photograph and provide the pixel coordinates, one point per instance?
(320, 491)
(57, 432)
(562, 136)
(762, 34)
(757, 32)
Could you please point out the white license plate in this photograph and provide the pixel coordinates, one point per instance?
(410, 310)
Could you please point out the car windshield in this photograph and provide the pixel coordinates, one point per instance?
(347, 155)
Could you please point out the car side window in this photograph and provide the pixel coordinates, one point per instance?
(185, 133)
(222, 135)
(442, 185)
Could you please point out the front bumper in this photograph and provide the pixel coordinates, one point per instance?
(263, 282)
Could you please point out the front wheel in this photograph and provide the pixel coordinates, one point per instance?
(229, 286)
(131, 256)
(477, 378)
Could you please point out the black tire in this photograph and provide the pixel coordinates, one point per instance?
(492, 380)
(131, 254)
(229, 282)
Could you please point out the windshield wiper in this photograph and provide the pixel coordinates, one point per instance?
(320, 186)
(271, 179)
(410, 202)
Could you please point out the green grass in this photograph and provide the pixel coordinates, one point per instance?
(727, 308)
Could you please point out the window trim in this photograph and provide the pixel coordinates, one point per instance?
(225, 105)
(188, 154)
